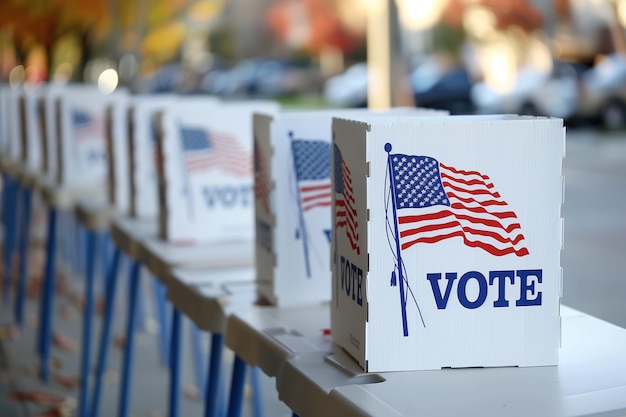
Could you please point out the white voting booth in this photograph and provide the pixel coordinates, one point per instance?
(82, 150)
(14, 151)
(32, 126)
(4, 119)
(206, 180)
(117, 135)
(143, 151)
(293, 199)
(447, 243)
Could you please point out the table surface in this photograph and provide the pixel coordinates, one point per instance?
(128, 232)
(590, 380)
(267, 336)
(209, 296)
(161, 257)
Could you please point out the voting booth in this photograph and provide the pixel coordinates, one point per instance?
(117, 136)
(82, 145)
(144, 151)
(32, 127)
(447, 240)
(206, 177)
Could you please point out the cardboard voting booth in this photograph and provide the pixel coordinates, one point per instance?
(144, 184)
(206, 178)
(292, 153)
(117, 132)
(51, 130)
(4, 120)
(32, 127)
(82, 146)
(447, 240)
(14, 149)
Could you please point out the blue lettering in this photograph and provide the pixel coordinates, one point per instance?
(527, 287)
(247, 195)
(228, 196)
(211, 195)
(96, 155)
(462, 289)
(501, 276)
(352, 280)
(529, 279)
(442, 301)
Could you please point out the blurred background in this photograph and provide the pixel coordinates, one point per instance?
(564, 58)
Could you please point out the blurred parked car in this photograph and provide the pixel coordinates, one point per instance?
(438, 87)
(434, 85)
(261, 78)
(348, 89)
(534, 92)
(602, 93)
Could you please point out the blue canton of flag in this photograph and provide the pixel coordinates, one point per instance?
(312, 166)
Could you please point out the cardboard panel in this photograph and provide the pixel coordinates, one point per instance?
(81, 139)
(206, 180)
(454, 257)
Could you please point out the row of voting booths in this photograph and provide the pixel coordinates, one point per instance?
(371, 241)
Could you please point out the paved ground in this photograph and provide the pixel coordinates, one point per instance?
(594, 259)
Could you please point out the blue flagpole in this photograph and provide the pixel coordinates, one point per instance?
(405, 326)
(305, 244)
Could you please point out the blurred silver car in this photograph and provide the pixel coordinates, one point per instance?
(602, 93)
(534, 92)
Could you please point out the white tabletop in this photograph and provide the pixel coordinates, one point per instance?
(64, 197)
(160, 256)
(94, 213)
(267, 336)
(590, 380)
(209, 296)
(127, 233)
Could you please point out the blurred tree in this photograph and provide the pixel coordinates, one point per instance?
(508, 13)
(43, 22)
(316, 27)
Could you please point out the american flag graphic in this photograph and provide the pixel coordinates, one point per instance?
(345, 212)
(208, 151)
(87, 127)
(312, 165)
(262, 184)
(436, 202)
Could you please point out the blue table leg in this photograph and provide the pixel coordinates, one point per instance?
(257, 393)
(9, 240)
(199, 358)
(6, 192)
(175, 371)
(107, 322)
(236, 388)
(159, 302)
(126, 383)
(140, 323)
(47, 305)
(21, 284)
(215, 364)
(106, 261)
(85, 367)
